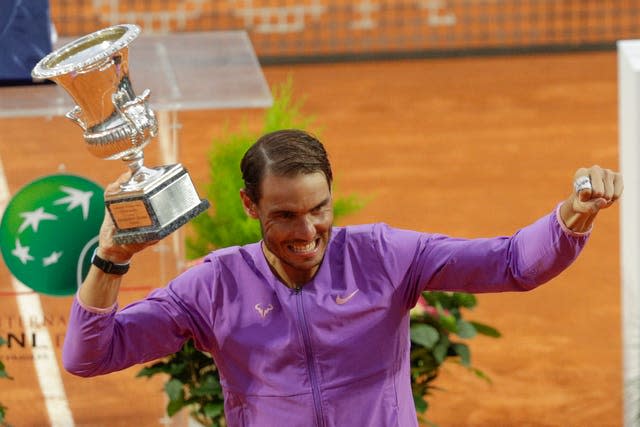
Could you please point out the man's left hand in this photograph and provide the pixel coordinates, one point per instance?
(595, 188)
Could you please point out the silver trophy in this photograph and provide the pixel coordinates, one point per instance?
(117, 124)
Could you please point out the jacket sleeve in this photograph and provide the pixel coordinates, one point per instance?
(532, 256)
(99, 341)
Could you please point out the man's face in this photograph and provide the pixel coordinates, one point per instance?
(296, 215)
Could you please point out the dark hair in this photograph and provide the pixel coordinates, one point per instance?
(286, 153)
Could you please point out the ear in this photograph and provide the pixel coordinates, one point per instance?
(250, 208)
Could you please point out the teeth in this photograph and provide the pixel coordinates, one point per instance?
(303, 248)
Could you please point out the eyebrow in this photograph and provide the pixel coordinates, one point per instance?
(322, 204)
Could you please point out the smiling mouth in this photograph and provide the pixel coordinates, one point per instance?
(304, 248)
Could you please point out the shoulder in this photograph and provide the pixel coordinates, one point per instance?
(373, 238)
(376, 234)
(219, 269)
(360, 231)
(233, 255)
(214, 265)
(393, 247)
(352, 234)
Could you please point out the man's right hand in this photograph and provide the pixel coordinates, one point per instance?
(107, 248)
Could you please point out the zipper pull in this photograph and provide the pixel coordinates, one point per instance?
(297, 290)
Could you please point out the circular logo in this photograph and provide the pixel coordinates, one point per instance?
(49, 231)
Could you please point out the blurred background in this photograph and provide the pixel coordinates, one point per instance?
(324, 30)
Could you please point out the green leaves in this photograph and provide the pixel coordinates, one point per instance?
(4, 373)
(213, 410)
(285, 113)
(346, 205)
(225, 224)
(487, 330)
(156, 368)
(421, 404)
(465, 329)
(463, 351)
(450, 300)
(434, 328)
(175, 390)
(193, 383)
(441, 350)
(210, 385)
(424, 335)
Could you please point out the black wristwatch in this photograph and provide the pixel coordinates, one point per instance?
(108, 266)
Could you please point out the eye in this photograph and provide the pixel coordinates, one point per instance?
(286, 215)
(321, 210)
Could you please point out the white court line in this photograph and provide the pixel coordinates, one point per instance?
(44, 357)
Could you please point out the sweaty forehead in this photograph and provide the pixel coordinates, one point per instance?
(298, 192)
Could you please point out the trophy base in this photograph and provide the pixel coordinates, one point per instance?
(150, 210)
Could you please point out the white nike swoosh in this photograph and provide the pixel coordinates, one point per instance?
(343, 300)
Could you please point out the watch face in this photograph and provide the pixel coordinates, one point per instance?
(49, 231)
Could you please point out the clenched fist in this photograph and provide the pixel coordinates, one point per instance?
(595, 188)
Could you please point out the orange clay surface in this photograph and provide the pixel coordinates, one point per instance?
(469, 147)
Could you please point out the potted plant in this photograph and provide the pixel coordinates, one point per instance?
(193, 378)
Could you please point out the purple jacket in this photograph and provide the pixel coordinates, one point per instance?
(335, 353)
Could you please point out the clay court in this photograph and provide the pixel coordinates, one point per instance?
(472, 147)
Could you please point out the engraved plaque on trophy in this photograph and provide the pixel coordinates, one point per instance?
(117, 124)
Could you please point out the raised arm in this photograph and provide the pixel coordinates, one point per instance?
(533, 255)
(95, 342)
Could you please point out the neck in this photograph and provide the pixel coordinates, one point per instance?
(290, 279)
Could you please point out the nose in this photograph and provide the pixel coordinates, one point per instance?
(305, 228)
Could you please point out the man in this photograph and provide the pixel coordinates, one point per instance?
(310, 326)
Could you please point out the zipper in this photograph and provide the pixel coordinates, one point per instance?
(311, 366)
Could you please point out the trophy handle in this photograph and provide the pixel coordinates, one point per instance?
(136, 112)
(143, 126)
(74, 115)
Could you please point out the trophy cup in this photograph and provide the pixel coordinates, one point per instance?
(117, 124)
